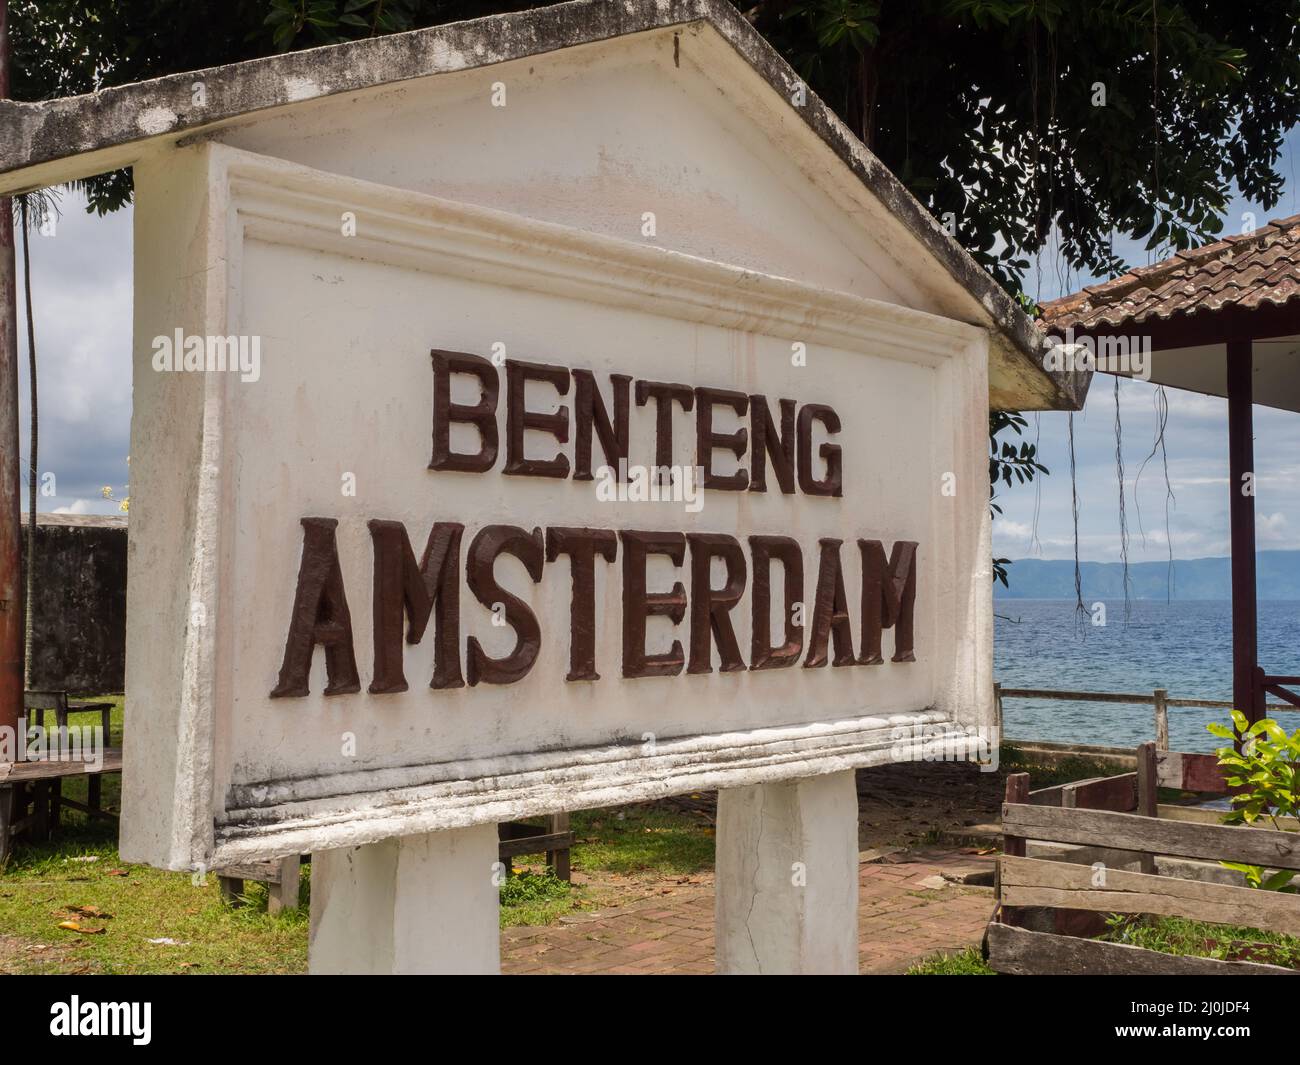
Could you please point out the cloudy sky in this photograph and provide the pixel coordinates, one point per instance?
(82, 293)
(1196, 439)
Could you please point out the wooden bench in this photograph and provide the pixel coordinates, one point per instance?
(1121, 817)
(58, 701)
(555, 840)
(281, 877)
(39, 785)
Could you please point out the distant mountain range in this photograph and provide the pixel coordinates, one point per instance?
(1277, 573)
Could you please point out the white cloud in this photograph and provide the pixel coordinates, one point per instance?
(78, 506)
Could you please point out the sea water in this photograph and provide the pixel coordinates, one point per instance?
(1184, 647)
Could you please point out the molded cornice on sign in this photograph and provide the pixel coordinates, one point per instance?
(284, 203)
(290, 817)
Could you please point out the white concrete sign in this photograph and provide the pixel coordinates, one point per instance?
(503, 518)
(535, 414)
(531, 414)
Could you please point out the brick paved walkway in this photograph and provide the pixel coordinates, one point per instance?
(904, 915)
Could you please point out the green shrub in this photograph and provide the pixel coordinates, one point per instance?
(1268, 766)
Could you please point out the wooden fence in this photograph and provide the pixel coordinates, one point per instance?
(1111, 822)
(1159, 699)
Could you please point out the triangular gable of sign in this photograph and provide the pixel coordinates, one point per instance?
(671, 122)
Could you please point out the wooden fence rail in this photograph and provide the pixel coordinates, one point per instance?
(1159, 699)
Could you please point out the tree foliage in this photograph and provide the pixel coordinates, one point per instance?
(1009, 464)
(1024, 118)
(1016, 119)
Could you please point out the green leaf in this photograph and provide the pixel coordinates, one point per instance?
(1278, 880)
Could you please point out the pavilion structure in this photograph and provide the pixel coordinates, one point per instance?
(1222, 320)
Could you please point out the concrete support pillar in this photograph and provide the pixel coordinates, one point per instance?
(416, 904)
(787, 877)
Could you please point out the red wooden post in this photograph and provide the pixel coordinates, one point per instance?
(1017, 792)
(11, 614)
(1148, 793)
(1241, 514)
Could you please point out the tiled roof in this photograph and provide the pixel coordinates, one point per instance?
(1247, 271)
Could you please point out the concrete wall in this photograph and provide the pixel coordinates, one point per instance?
(79, 637)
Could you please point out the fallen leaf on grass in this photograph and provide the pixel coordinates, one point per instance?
(85, 930)
(88, 911)
(118, 872)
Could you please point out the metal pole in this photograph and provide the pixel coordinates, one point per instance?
(11, 614)
(1241, 516)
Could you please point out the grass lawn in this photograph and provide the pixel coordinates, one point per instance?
(135, 919)
(1183, 937)
(70, 905)
(963, 963)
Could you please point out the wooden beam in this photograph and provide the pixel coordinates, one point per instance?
(1201, 816)
(232, 890)
(540, 844)
(1102, 793)
(1017, 791)
(1132, 832)
(264, 872)
(25, 772)
(1241, 521)
(1162, 719)
(558, 858)
(1033, 882)
(1147, 792)
(1023, 953)
(1080, 697)
(282, 893)
(1190, 772)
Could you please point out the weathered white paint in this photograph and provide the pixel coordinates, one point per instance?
(156, 120)
(729, 169)
(415, 905)
(230, 242)
(787, 877)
